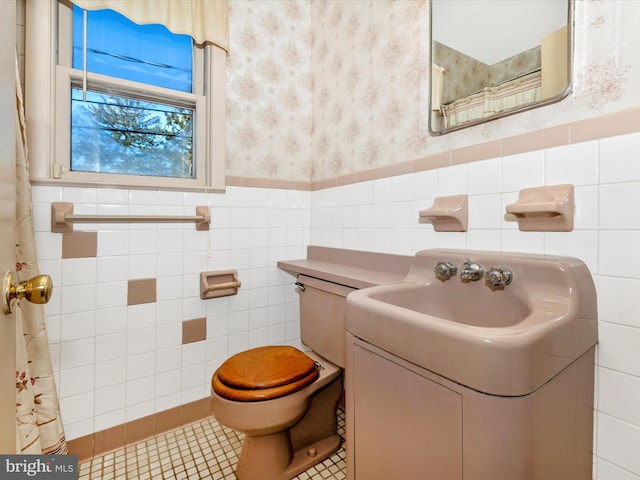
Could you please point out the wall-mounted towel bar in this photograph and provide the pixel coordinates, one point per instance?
(63, 218)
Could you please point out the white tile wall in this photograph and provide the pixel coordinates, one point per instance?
(606, 236)
(116, 363)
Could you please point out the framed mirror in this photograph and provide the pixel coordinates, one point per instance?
(492, 58)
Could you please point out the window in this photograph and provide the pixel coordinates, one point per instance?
(118, 133)
(148, 112)
(120, 48)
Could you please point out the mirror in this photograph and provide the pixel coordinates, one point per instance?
(491, 58)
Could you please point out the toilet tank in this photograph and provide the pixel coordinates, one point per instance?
(322, 317)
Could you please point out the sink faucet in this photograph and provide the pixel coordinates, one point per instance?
(471, 271)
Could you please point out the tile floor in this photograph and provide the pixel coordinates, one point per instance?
(202, 450)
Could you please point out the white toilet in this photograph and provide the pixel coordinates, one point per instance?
(285, 400)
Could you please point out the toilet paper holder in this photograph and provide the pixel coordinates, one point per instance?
(219, 283)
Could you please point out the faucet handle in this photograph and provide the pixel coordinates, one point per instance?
(499, 276)
(445, 270)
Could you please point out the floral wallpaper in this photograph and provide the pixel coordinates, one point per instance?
(269, 89)
(318, 89)
(463, 75)
(512, 67)
(370, 66)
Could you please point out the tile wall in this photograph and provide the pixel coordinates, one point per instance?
(115, 363)
(383, 215)
(116, 360)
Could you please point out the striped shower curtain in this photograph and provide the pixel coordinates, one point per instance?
(38, 423)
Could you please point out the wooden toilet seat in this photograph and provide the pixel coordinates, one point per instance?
(264, 373)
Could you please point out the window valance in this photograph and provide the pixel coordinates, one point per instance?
(204, 20)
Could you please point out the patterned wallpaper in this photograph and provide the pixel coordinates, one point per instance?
(269, 89)
(463, 75)
(512, 67)
(324, 88)
(369, 65)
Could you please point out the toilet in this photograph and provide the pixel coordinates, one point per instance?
(284, 400)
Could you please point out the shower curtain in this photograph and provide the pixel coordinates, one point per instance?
(38, 424)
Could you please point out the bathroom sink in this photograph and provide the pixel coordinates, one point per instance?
(498, 337)
(488, 309)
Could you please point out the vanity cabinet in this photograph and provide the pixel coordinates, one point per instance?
(405, 422)
(407, 426)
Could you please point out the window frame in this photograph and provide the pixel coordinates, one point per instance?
(48, 77)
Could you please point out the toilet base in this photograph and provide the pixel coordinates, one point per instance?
(269, 457)
(303, 459)
(284, 454)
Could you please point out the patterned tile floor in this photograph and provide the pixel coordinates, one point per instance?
(203, 450)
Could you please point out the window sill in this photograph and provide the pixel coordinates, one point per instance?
(142, 183)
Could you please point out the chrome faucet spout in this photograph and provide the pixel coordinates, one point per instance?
(471, 271)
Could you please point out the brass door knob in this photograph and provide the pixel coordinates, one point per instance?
(37, 290)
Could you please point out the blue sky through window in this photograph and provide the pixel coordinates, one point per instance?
(149, 54)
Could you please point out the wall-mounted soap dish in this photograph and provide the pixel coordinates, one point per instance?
(219, 284)
(447, 214)
(544, 209)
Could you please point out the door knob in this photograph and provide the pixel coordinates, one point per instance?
(37, 290)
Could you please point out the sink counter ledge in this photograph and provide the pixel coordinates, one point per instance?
(353, 268)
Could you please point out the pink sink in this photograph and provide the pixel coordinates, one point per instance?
(502, 340)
